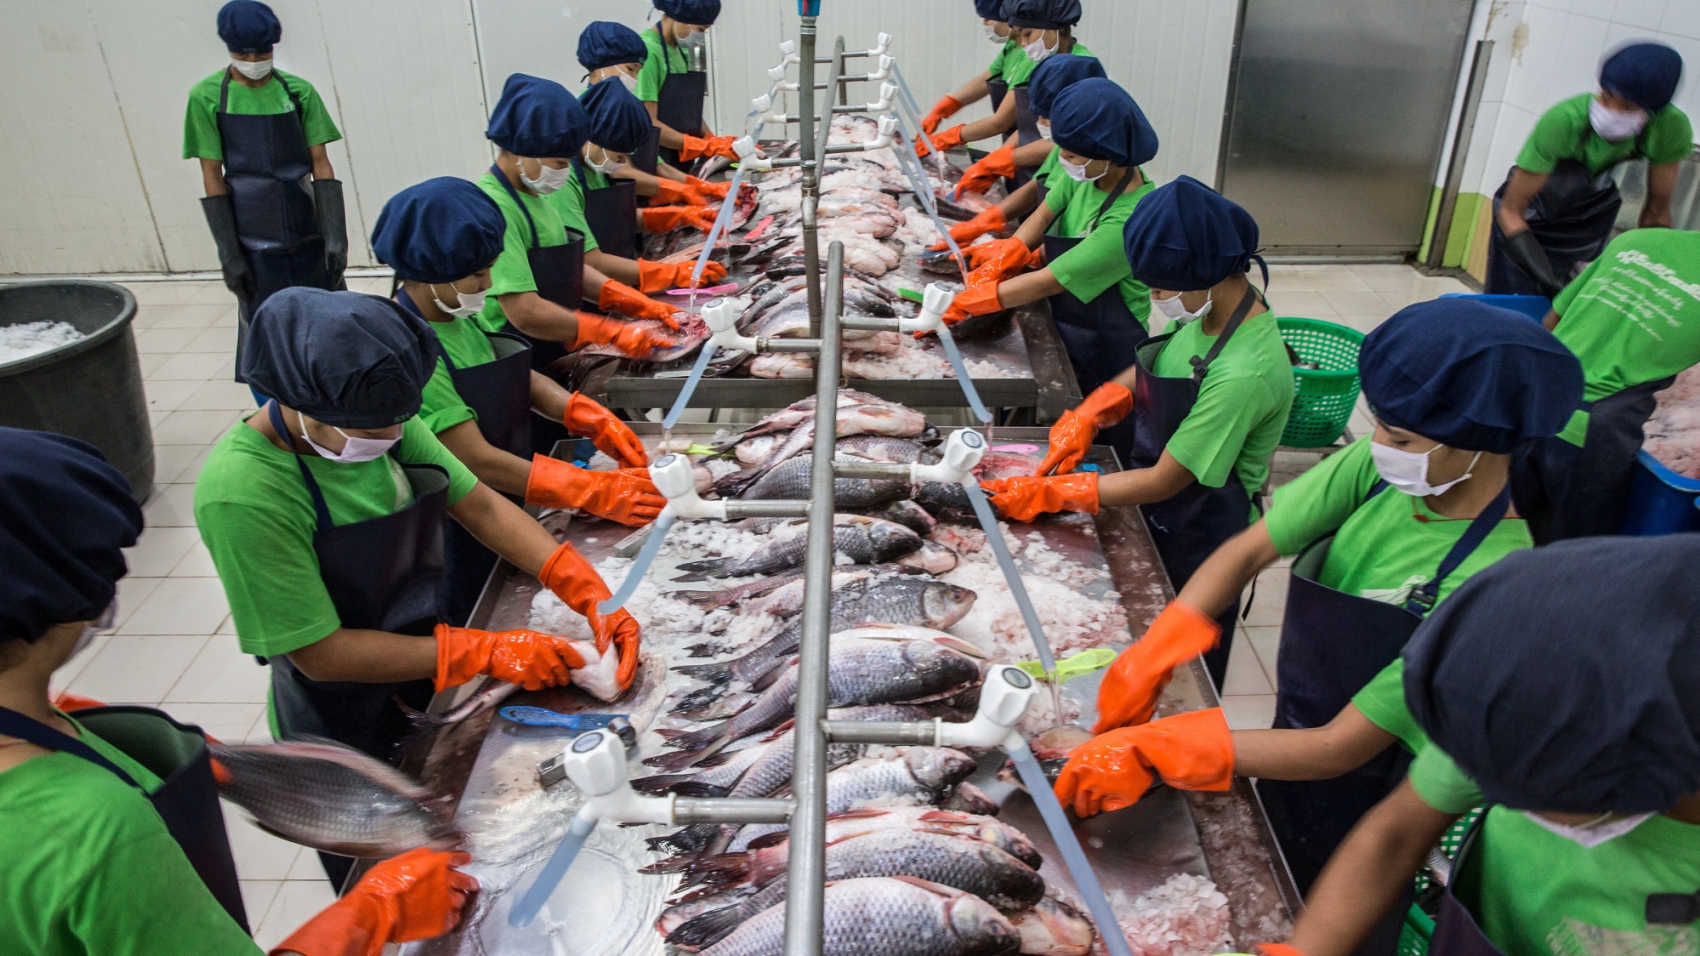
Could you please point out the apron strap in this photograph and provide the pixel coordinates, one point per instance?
(224, 96)
(502, 178)
(14, 724)
(320, 509)
(1200, 366)
(1422, 600)
(1110, 200)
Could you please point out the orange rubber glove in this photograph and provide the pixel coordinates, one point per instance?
(68, 702)
(670, 193)
(417, 895)
(1075, 429)
(943, 142)
(977, 299)
(626, 495)
(992, 220)
(531, 659)
(628, 337)
(614, 438)
(1026, 498)
(998, 163)
(997, 260)
(944, 109)
(661, 276)
(704, 191)
(1128, 693)
(578, 585)
(696, 147)
(1192, 751)
(665, 218)
(617, 297)
(1278, 949)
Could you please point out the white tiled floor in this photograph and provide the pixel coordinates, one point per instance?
(174, 646)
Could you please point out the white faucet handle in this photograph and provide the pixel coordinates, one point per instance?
(720, 315)
(762, 103)
(672, 476)
(787, 47)
(884, 43)
(936, 300)
(888, 126)
(744, 146)
(596, 763)
(1005, 694)
(777, 74)
(963, 451)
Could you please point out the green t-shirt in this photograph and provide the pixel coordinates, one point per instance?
(466, 345)
(1382, 700)
(1007, 54)
(1563, 132)
(1018, 69)
(256, 519)
(656, 67)
(1633, 315)
(1242, 405)
(90, 867)
(568, 203)
(512, 269)
(200, 125)
(1052, 166)
(1098, 262)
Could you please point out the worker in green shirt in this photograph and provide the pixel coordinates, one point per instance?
(1382, 533)
(1208, 401)
(1558, 205)
(323, 515)
(1633, 319)
(260, 133)
(673, 88)
(614, 51)
(111, 834)
(990, 82)
(1560, 687)
(440, 236)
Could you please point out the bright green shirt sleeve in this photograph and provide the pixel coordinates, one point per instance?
(1209, 439)
(201, 138)
(1382, 700)
(420, 446)
(1440, 783)
(656, 66)
(443, 407)
(1095, 265)
(1319, 501)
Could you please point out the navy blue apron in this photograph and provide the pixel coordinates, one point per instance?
(1572, 217)
(1568, 492)
(1026, 131)
(1102, 336)
(1332, 645)
(611, 213)
(266, 168)
(382, 574)
(1189, 527)
(1456, 932)
(680, 102)
(187, 799)
(997, 89)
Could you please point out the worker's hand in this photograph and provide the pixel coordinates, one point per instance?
(629, 337)
(1026, 498)
(998, 260)
(617, 297)
(670, 193)
(614, 438)
(417, 895)
(1128, 693)
(531, 659)
(626, 495)
(704, 191)
(621, 629)
(944, 109)
(664, 218)
(661, 276)
(981, 175)
(980, 299)
(1193, 751)
(943, 141)
(696, 147)
(992, 220)
(1075, 429)
(1526, 253)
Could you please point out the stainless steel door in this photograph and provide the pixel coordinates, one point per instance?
(1336, 117)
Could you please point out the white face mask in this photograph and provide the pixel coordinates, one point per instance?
(1407, 471)
(548, 180)
(1174, 309)
(627, 80)
(1078, 173)
(693, 39)
(1037, 50)
(1044, 130)
(101, 624)
(253, 71)
(356, 450)
(993, 35)
(607, 166)
(1615, 125)
(471, 303)
(1607, 826)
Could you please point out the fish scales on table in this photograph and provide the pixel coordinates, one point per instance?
(887, 916)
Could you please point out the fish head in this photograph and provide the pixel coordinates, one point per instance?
(939, 768)
(1053, 928)
(980, 927)
(891, 538)
(1018, 880)
(945, 604)
(940, 665)
(971, 799)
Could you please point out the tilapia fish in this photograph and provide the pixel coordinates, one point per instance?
(887, 916)
(333, 798)
(861, 419)
(862, 539)
(986, 829)
(790, 481)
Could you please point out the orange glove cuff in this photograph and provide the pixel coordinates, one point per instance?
(1191, 751)
(1128, 693)
(355, 925)
(670, 193)
(574, 580)
(462, 654)
(549, 481)
(1000, 161)
(657, 276)
(1108, 404)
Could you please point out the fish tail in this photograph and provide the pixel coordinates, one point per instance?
(660, 783)
(721, 868)
(708, 928)
(672, 864)
(712, 673)
(705, 649)
(691, 788)
(698, 598)
(671, 762)
(416, 716)
(692, 705)
(696, 740)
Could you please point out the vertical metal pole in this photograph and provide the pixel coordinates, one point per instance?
(811, 170)
(843, 88)
(806, 877)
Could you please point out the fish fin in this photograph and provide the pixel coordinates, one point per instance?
(691, 788)
(781, 730)
(720, 869)
(711, 673)
(771, 839)
(708, 565)
(707, 928)
(674, 761)
(660, 783)
(859, 813)
(699, 700)
(765, 679)
(713, 734)
(698, 598)
(694, 577)
(706, 649)
(672, 864)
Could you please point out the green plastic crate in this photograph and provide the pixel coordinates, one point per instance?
(1323, 398)
(1414, 936)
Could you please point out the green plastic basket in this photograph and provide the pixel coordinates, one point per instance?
(1323, 398)
(1414, 936)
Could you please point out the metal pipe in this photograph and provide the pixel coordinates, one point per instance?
(838, 59)
(787, 345)
(872, 469)
(869, 323)
(741, 509)
(824, 133)
(731, 810)
(805, 888)
(892, 733)
(807, 159)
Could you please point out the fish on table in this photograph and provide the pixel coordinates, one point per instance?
(862, 539)
(888, 916)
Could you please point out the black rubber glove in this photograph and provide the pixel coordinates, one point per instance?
(333, 226)
(1525, 251)
(221, 219)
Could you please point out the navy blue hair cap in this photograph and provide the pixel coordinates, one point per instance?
(1057, 73)
(699, 13)
(64, 516)
(248, 26)
(440, 230)
(1567, 678)
(1469, 375)
(605, 43)
(1099, 120)
(989, 9)
(1041, 14)
(1646, 74)
(618, 121)
(538, 118)
(1185, 236)
(347, 359)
